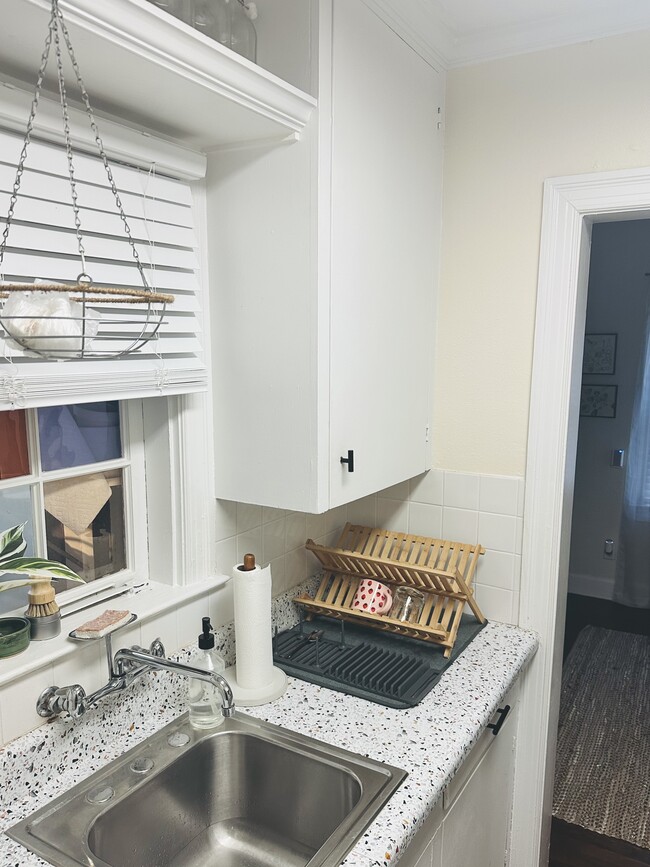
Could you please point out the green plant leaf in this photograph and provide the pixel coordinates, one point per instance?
(12, 543)
(37, 567)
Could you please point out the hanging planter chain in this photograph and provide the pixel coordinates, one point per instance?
(154, 302)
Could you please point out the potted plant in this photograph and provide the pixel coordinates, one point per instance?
(43, 615)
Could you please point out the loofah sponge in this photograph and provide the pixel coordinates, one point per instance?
(49, 323)
(102, 625)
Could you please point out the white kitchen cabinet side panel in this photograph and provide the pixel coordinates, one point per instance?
(386, 194)
(264, 307)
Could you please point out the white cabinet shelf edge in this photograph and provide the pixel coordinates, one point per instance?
(138, 60)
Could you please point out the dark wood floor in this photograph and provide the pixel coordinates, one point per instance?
(572, 846)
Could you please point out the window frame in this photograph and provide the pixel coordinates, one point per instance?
(132, 465)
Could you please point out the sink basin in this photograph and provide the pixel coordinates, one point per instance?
(248, 794)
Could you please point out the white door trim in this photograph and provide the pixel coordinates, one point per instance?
(571, 205)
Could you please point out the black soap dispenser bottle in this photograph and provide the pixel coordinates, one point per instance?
(204, 700)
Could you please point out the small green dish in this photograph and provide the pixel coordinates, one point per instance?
(14, 635)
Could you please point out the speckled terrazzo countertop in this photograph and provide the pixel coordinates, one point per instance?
(429, 741)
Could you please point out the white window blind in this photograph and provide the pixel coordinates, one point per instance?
(42, 246)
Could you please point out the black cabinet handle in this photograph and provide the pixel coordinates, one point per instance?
(503, 713)
(349, 460)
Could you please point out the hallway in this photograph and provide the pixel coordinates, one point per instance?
(571, 845)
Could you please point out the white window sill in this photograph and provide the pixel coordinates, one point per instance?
(155, 600)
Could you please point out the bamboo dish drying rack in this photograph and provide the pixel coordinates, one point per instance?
(442, 570)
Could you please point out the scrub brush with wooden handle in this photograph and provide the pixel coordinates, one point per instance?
(41, 599)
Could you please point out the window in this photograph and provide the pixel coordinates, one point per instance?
(164, 420)
(73, 474)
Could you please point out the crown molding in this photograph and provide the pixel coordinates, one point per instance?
(426, 27)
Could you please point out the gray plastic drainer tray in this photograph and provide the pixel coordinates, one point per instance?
(388, 669)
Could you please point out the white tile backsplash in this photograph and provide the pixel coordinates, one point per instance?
(298, 562)
(496, 603)
(397, 492)
(498, 532)
(461, 490)
(273, 540)
(497, 569)
(248, 517)
(226, 555)
(464, 507)
(428, 488)
(188, 620)
(392, 514)
(18, 705)
(296, 530)
(88, 658)
(460, 525)
(363, 512)
(498, 494)
(279, 574)
(165, 628)
(250, 542)
(425, 520)
(226, 519)
(521, 493)
(519, 535)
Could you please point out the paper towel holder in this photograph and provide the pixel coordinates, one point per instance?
(252, 694)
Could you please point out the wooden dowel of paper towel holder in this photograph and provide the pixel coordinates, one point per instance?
(249, 563)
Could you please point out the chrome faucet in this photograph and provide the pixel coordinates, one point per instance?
(125, 667)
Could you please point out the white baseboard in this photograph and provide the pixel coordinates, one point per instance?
(591, 585)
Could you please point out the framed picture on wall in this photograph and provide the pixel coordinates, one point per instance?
(600, 354)
(598, 401)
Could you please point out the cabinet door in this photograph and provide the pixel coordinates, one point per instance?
(476, 829)
(385, 200)
(430, 857)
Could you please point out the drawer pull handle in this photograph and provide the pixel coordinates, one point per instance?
(503, 713)
(349, 460)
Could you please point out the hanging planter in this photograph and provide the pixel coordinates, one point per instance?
(60, 320)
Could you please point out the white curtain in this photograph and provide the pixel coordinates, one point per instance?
(632, 579)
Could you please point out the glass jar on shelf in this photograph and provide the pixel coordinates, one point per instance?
(243, 37)
(204, 15)
(178, 8)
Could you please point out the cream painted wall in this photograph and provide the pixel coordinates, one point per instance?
(511, 124)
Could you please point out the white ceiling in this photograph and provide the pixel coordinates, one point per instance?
(460, 32)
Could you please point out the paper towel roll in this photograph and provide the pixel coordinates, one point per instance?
(253, 637)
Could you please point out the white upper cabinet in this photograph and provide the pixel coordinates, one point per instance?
(323, 271)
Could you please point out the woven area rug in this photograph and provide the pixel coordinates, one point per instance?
(602, 772)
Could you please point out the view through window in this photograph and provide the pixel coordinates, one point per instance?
(62, 474)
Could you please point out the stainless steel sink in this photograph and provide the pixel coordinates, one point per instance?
(248, 794)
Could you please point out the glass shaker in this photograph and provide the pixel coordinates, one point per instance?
(243, 38)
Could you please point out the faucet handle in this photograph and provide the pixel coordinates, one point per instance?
(156, 648)
(54, 701)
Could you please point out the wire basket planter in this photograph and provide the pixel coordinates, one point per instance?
(54, 320)
(76, 318)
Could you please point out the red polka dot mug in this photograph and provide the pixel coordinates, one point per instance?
(372, 597)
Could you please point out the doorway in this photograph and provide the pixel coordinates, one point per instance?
(595, 775)
(571, 207)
